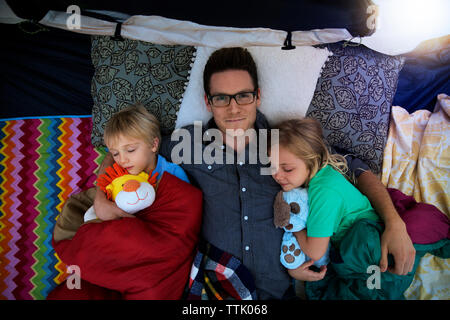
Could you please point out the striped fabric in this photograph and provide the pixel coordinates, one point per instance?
(42, 162)
(218, 275)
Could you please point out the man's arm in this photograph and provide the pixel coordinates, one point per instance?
(395, 238)
(104, 208)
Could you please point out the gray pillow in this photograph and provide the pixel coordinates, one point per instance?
(131, 71)
(353, 100)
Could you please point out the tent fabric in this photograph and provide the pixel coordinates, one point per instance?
(401, 25)
(426, 74)
(163, 30)
(49, 73)
(287, 15)
(45, 74)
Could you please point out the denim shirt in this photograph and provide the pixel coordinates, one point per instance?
(238, 211)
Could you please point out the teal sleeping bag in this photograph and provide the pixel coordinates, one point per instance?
(353, 272)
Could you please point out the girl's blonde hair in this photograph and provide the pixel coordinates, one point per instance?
(133, 121)
(304, 139)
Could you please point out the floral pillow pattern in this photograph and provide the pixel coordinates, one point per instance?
(129, 71)
(353, 100)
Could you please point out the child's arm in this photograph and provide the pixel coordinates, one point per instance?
(104, 208)
(313, 247)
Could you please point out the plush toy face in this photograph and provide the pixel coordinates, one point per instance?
(291, 209)
(298, 202)
(131, 194)
(117, 184)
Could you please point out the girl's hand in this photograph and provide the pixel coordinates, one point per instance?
(303, 272)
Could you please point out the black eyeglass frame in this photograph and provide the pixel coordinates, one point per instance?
(233, 96)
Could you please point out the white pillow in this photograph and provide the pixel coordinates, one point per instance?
(287, 79)
(193, 107)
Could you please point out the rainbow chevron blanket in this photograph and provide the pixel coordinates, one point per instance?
(42, 162)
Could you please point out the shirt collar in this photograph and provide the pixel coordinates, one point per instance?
(260, 122)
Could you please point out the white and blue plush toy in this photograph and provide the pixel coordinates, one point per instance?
(290, 213)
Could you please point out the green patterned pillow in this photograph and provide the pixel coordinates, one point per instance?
(131, 71)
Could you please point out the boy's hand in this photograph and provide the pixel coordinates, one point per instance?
(303, 272)
(106, 209)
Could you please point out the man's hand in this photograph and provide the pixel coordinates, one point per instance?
(395, 240)
(303, 272)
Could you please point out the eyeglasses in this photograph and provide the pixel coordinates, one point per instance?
(223, 100)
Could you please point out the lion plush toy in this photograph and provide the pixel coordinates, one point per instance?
(131, 193)
(291, 212)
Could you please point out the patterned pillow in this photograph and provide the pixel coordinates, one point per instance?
(129, 71)
(353, 100)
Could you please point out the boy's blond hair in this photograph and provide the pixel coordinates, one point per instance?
(133, 121)
(304, 139)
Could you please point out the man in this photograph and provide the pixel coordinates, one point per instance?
(238, 199)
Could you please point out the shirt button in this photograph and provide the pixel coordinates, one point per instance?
(247, 248)
(209, 167)
(246, 218)
(244, 189)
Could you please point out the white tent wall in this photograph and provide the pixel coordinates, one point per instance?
(399, 28)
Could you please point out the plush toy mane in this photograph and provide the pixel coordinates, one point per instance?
(116, 171)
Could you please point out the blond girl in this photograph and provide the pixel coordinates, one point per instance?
(335, 204)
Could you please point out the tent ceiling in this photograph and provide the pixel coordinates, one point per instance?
(287, 15)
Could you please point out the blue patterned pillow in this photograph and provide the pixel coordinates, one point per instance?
(353, 100)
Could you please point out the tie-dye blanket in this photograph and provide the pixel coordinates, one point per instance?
(42, 162)
(416, 161)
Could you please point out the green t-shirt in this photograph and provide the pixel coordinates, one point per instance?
(335, 205)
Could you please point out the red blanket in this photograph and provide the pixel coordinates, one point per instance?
(147, 257)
